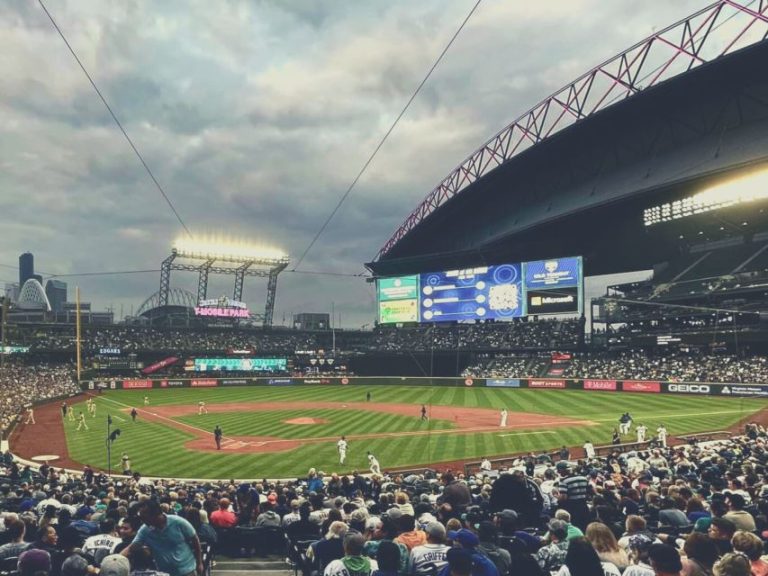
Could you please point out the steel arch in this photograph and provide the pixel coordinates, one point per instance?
(670, 52)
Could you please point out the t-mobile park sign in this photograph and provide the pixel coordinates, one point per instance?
(222, 312)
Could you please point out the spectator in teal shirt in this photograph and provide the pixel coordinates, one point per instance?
(172, 540)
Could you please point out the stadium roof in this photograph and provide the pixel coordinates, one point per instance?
(572, 174)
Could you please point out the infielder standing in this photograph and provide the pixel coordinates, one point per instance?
(30, 416)
(201, 408)
(661, 435)
(641, 431)
(341, 445)
(504, 414)
(374, 464)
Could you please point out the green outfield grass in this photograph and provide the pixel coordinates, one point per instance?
(158, 450)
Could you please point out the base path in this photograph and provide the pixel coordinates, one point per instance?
(46, 436)
(465, 420)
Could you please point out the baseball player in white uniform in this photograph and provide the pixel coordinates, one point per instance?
(341, 445)
(374, 464)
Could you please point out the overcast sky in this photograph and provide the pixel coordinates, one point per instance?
(255, 116)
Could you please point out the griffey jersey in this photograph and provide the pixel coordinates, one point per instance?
(426, 554)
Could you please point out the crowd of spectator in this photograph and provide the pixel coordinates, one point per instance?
(629, 365)
(136, 339)
(694, 509)
(21, 385)
(542, 334)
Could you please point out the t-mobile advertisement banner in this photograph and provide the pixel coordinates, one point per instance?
(546, 384)
(640, 386)
(599, 384)
(503, 383)
(152, 368)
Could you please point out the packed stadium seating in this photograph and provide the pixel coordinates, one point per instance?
(632, 365)
(692, 504)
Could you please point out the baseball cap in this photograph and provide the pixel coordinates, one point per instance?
(562, 465)
(33, 561)
(435, 529)
(394, 513)
(75, 565)
(507, 514)
(640, 542)
(115, 565)
(466, 538)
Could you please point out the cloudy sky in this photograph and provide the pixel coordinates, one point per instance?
(255, 116)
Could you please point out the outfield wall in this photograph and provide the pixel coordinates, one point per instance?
(634, 386)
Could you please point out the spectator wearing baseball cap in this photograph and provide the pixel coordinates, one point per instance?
(639, 547)
(721, 531)
(34, 563)
(468, 540)
(507, 523)
(115, 565)
(488, 534)
(552, 556)
(434, 552)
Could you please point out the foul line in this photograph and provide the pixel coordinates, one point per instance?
(525, 433)
(142, 410)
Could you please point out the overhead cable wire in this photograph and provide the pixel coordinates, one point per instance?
(119, 124)
(154, 270)
(384, 139)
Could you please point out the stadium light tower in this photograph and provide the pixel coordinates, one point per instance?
(238, 259)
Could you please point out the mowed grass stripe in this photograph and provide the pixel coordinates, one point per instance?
(158, 449)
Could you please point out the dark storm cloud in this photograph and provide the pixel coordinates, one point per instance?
(256, 115)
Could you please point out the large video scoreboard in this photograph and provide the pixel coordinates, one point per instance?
(499, 292)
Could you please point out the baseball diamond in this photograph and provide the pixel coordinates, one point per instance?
(281, 432)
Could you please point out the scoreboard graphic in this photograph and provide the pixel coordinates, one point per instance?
(498, 292)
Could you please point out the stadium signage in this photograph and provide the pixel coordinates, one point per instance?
(316, 381)
(171, 383)
(469, 382)
(109, 351)
(546, 384)
(689, 388)
(552, 273)
(280, 381)
(234, 382)
(129, 384)
(553, 301)
(222, 312)
(206, 383)
(222, 302)
(739, 390)
(641, 386)
(503, 383)
(599, 384)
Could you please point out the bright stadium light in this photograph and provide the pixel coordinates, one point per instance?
(749, 188)
(225, 249)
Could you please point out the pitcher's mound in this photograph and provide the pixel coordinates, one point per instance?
(306, 421)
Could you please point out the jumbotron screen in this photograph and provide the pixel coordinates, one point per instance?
(499, 292)
(241, 364)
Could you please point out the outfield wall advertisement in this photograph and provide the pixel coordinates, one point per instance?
(595, 385)
(499, 292)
